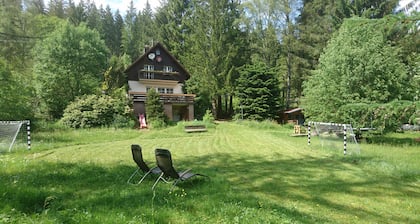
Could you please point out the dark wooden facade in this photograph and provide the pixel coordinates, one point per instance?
(158, 69)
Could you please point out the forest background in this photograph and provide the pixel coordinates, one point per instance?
(342, 61)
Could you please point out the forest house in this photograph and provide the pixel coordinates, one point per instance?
(159, 70)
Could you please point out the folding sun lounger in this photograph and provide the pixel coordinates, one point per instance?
(141, 165)
(164, 162)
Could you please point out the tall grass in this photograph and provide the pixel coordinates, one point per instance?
(259, 174)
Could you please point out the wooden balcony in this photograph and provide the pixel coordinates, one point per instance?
(165, 98)
(142, 71)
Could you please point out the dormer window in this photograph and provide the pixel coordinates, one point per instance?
(147, 72)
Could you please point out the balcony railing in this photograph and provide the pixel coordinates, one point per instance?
(165, 98)
(145, 71)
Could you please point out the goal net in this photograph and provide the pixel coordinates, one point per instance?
(14, 134)
(335, 136)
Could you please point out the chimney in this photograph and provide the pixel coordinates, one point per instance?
(146, 48)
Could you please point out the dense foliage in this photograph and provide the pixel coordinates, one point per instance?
(68, 64)
(383, 117)
(13, 96)
(96, 111)
(156, 116)
(358, 66)
(258, 92)
(65, 49)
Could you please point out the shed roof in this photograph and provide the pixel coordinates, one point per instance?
(293, 110)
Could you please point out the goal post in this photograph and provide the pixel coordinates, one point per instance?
(334, 136)
(12, 132)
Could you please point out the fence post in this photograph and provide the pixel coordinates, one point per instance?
(345, 139)
(28, 131)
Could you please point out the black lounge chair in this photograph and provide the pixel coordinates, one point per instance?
(164, 162)
(141, 165)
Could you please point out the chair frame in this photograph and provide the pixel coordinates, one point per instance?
(164, 162)
(141, 165)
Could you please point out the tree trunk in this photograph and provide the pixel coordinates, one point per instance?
(230, 105)
(219, 107)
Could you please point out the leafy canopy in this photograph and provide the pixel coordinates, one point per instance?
(357, 66)
(69, 63)
(15, 103)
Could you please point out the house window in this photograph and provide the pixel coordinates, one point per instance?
(148, 74)
(169, 91)
(167, 69)
(149, 67)
(161, 90)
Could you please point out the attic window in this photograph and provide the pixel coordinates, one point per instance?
(149, 67)
(147, 72)
(157, 52)
(167, 69)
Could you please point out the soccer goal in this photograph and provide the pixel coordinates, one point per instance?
(334, 136)
(14, 133)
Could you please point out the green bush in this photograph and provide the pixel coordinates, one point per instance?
(208, 117)
(157, 123)
(389, 117)
(96, 111)
(15, 95)
(359, 115)
(384, 117)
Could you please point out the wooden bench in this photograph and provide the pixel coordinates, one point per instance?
(195, 128)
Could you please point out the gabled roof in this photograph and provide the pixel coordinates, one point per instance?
(152, 49)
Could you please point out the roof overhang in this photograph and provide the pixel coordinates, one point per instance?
(293, 110)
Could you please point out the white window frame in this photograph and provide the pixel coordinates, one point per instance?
(168, 69)
(161, 90)
(147, 74)
(169, 90)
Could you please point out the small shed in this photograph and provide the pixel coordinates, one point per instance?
(294, 116)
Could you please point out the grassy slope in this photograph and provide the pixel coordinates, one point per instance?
(258, 175)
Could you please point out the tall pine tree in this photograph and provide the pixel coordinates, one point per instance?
(258, 92)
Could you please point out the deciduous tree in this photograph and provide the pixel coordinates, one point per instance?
(69, 63)
(358, 65)
(15, 101)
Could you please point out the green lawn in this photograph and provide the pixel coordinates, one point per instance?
(259, 174)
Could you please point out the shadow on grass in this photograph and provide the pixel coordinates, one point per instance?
(311, 182)
(241, 189)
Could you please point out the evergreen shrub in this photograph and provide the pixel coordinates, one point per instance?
(155, 113)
